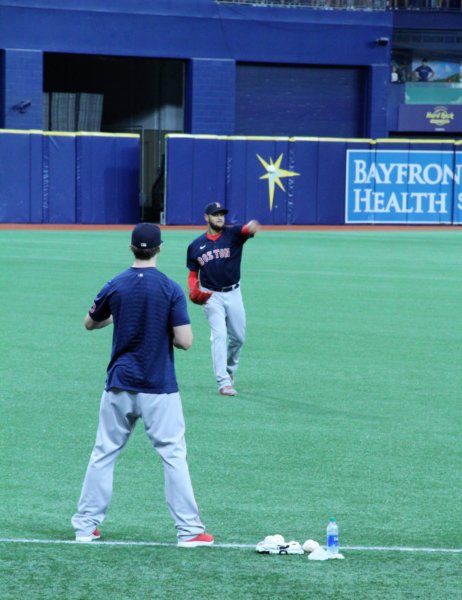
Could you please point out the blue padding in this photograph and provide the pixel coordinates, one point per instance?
(68, 178)
(179, 181)
(236, 182)
(107, 180)
(308, 187)
(331, 183)
(14, 178)
(59, 179)
(303, 205)
(268, 200)
(36, 177)
(125, 164)
(387, 181)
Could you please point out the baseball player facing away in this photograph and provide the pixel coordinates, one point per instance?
(214, 259)
(149, 314)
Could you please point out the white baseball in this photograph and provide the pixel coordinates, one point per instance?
(310, 545)
(278, 539)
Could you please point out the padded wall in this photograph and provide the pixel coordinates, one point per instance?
(15, 185)
(303, 181)
(69, 178)
(279, 181)
(107, 180)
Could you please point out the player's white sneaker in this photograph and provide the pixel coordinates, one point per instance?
(95, 535)
(203, 539)
(227, 390)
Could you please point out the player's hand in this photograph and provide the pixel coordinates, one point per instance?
(198, 296)
(253, 226)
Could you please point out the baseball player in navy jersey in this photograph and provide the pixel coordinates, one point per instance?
(149, 314)
(214, 263)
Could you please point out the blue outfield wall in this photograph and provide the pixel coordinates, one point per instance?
(313, 181)
(69, 178)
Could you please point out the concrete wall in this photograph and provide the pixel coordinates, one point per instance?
(213, 38)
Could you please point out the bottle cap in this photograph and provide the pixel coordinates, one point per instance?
(332, 519)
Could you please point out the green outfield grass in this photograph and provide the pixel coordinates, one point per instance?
(348, 406)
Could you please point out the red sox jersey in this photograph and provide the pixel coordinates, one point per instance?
(218, 260)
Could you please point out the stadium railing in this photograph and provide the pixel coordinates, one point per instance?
(433, 5)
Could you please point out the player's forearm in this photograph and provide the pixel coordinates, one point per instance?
(193, 279)
(182, 337)
(251, 227)
(91, 324)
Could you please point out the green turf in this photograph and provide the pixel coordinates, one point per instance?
(348, 405)
(75, 572)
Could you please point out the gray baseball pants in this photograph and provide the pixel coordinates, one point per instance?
(163, 419)
(226, 316)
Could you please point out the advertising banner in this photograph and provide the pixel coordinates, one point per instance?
(457, 219)
(313, 181)
(401, 186)
(430, 117)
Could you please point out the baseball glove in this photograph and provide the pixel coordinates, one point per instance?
(197, 296)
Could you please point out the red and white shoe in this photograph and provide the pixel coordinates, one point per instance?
(227, 390)
(203, 539)
(95, 535)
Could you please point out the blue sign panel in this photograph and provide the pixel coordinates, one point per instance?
(400, 186)
(458, 189)
(428, 117)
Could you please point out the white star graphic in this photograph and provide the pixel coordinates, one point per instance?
(274, 174)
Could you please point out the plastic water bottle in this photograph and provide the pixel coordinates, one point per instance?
(332, 536)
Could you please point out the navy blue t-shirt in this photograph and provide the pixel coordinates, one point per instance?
(145, 305)
(424, 72)
(219, 260)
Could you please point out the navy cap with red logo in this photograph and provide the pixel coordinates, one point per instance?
(215, 207)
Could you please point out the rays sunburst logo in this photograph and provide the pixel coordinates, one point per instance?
(274, 174)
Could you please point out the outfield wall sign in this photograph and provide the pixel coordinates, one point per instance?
(403, 186)
(428, 117)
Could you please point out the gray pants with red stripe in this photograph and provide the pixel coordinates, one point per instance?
(226, 316)
(163, 419)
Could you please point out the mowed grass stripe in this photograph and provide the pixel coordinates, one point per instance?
(224, 545)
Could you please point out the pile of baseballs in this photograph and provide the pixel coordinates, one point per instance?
(275, 539)
(309, 546)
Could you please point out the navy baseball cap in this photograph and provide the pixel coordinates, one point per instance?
(146, 236)
(215, 207)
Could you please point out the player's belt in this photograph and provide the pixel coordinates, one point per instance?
(229, 288)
